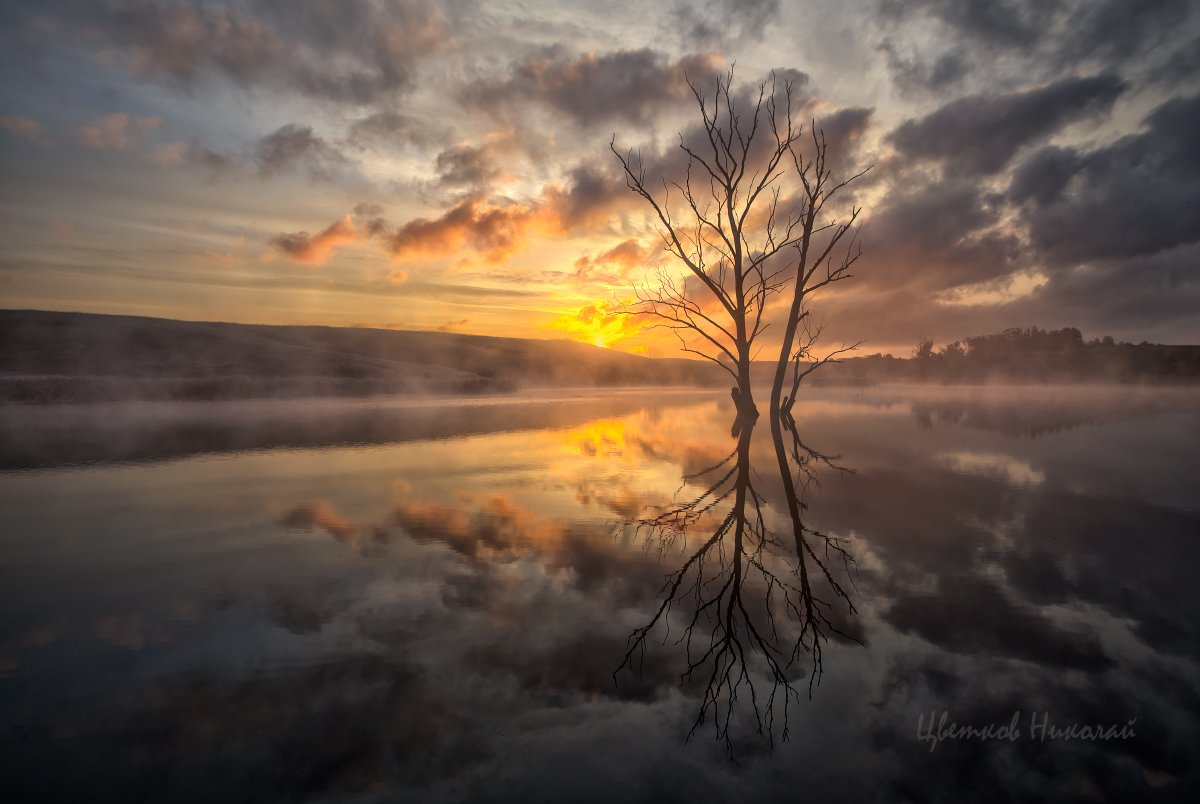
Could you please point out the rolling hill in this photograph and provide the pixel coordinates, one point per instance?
(67, 357)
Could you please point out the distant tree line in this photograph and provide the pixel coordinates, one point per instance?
(1030, 354)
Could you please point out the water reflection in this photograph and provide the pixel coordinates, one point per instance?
(438, 618)
(743, 598)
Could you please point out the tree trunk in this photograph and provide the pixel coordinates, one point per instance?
(745, 394)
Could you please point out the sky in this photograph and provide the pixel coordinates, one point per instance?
(446, 166)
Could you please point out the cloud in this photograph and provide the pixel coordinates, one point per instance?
(1116, 31)
(22, 127)
(936, 235)
(1066, 243)
(614, 265)
(981, 133)
(465, 165)
(592, 194)
(498, 227)
(476, 166)
(1180, 67)
(171, 154)
(916, 71)
(495, 230)
(986, 621)
(1135, 197)
(1043, 176)
(315, 249)
(1127, 296)
(1008, 22)
(387, 131)
(117, 131)
(296, 146)
(631, 86)
(844, 131)
(721, 22)
(321, 515)
(353, 52)
(1046, 37)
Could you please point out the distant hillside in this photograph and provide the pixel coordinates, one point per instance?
(57, 357)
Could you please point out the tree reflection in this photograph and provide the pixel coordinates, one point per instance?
(759, 594)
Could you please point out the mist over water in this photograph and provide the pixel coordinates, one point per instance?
(397, 600)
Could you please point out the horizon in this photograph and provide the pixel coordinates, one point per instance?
(863, 351)
(445, 167)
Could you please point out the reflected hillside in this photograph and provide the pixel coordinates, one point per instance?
(63, 435)
(1017, 411)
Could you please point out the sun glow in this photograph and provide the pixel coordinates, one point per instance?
(600, 323)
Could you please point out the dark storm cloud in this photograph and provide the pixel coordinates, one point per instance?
(1138, 292)
(1044, 175)
(1003, 22)
(1118, 30)
(1137, 196)
(1112, 230)
(843, 131)
(593, 191)
(981, 133)
(630, 86)
(937, 235)
(1062, 33)
(357, 52)
(1180, 67)
(293, 147)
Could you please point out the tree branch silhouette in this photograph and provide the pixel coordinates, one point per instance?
(746, 220)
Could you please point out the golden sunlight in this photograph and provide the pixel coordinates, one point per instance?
(600, 323)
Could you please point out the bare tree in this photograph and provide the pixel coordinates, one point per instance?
(746, 219)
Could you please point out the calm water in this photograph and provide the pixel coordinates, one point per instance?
(384, 601)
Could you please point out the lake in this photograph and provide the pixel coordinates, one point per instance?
(433, 599)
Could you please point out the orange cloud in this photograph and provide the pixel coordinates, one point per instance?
(494, 230)
(498, 229)
(21, 127)
(315, 249)
(498, 524)
(320, 515)
(117, 131)
(614, 266)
